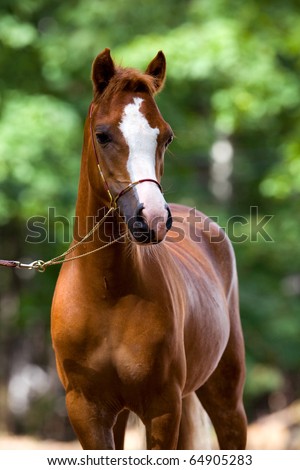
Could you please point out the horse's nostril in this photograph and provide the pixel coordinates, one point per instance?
(138, 225)
(140, 222)
(139, 210)
(169, 219)
(148, 227)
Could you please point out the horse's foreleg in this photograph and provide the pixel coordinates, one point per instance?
(92, 424)
(162, 430)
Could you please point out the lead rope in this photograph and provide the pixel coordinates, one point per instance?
(41, 265)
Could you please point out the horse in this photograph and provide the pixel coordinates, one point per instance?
(149, 321)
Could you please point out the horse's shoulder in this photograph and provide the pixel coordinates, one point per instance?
(199, 226)
(200, 237)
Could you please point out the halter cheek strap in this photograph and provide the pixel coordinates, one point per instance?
(114, 200)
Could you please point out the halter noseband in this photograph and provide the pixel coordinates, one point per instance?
(114, 200)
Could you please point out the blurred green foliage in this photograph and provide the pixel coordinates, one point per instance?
(233, 78)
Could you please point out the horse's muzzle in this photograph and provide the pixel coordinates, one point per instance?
(147, 227)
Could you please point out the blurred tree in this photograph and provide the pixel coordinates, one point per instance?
(232, 97)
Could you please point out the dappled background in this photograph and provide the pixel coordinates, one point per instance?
(232, 98)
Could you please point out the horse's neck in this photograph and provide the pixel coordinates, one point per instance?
(89, 205)
(123, 264)
(111, 263)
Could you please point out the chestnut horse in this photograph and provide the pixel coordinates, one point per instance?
(152, 321)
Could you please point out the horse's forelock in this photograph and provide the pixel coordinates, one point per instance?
(129, 80)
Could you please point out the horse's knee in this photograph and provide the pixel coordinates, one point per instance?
(162, 423)
(92, 424)
(162, 432)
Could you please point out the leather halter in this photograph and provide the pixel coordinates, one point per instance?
(114, 200)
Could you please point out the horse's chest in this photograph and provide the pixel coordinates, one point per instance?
(136, 363)
(137, 343)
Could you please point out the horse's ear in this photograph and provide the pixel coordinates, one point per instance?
(157, 69)
(103, 69)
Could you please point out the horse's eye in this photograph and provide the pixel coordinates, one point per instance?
(103, 138)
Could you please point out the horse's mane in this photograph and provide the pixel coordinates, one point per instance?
(129, 80)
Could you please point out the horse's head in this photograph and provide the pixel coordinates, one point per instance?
(129, 137)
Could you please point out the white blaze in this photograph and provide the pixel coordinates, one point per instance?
(141, 139)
